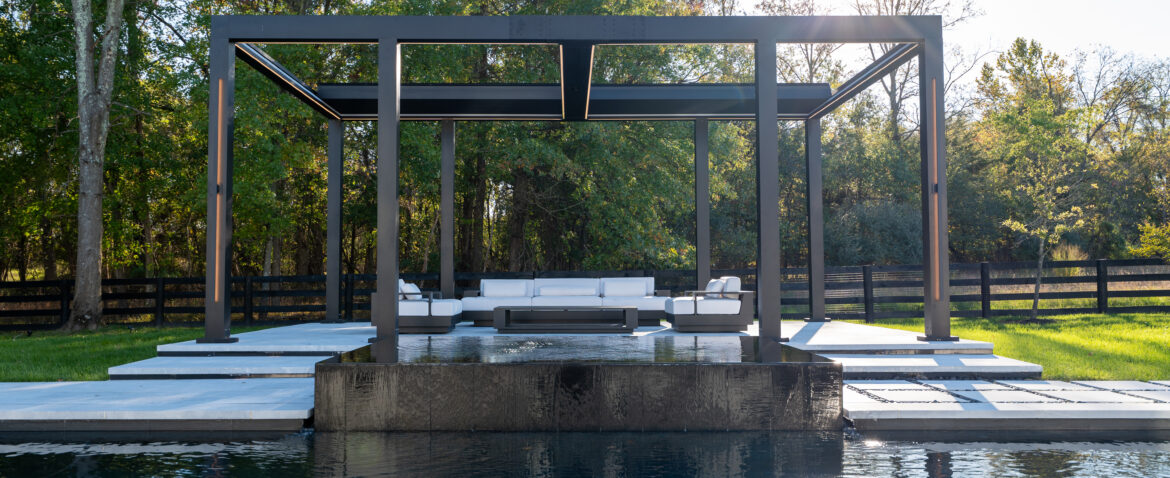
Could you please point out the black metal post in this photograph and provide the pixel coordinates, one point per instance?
(333, 201)
(385, 343)
(816, 221)
(65, 296)
(985, 289)
(935, 262)
(160, 301)
(1102, 286)
(249, 297)
(447, 209)
(220, 131)
(702, 206)
(768, 188)
(867, 291)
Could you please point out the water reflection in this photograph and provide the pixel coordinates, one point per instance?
(576, 454)
(604, 348)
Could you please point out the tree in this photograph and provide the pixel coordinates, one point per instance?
(1033, 131)
(1155, 241)
(94, 94)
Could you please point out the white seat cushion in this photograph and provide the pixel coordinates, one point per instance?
(627, 286)
(642, 303)
(567, 300)
(413, 308)
(719, 306)
(580, 286)
(686, 306)
(505, 288)
(446, 307)
(489, 303)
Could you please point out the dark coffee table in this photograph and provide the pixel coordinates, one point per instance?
(554, 319)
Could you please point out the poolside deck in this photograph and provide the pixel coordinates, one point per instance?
(264, 381)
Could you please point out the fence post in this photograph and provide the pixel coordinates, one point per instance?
(64, 301)
(985, 289)
(1102, 286)
(159, 301)
(248, 301)
(349, 280)
(867, 286)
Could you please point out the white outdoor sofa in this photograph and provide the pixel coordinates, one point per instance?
(424, 312)
(721, 307)
(609, 291)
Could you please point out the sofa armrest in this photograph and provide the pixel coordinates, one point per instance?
(662, 293)
(471, 293)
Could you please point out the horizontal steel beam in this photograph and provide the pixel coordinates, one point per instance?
(269, 67)
(543, 102)
(883, 66)
(556, 29)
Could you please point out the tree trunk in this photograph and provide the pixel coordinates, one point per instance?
(93, 110)
(1039, 274)
(517, 221)
(49, 249)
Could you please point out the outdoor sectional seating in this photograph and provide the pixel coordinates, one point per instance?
(721, 307)
(425, 312)
(609, 291)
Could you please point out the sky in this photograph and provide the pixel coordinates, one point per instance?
(1141, 27)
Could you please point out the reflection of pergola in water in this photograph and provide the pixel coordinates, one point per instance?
(575, 99)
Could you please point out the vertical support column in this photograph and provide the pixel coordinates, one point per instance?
(220, 132)
(816, 221)
(702, 206)
(385, 302)
(333, 221)
(447, 209)
(935, 262)
(768, 191)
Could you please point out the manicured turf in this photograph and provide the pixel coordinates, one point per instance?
(1074, 347)
(49, 356)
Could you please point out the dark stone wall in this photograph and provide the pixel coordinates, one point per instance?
(577, 397)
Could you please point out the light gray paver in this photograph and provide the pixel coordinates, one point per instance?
(1007, 396)
(917, 396)
(1096, 396)
(1043, 385)
(1124, 385)
(1162, 396)
(219, 365)
(958, 385)
(885, 385)
(932, 363)
(223, 399)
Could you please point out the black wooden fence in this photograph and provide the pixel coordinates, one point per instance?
(858, 292)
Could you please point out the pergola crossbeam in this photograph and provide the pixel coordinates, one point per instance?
(267, 66)
(881, 67)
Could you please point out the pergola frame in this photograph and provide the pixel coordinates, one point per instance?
(917, 37)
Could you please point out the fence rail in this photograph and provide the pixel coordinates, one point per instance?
(857, 292)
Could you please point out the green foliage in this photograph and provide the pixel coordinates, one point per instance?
(1155, 242)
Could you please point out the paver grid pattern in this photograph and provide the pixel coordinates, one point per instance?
(1005, 391)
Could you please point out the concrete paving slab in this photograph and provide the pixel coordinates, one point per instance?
(917, 396)
(1006, 396)
(934, 365)
(885, 385)
(1096, 396)
(1161, 396)
(1124, 385)
(847, 337)
(238, 399)
(965, 385)
(1043, 385)
(1164, 383)
(218, 367)
(851, 395)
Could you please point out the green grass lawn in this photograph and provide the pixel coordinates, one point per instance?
(1074, 347)
(49, 356)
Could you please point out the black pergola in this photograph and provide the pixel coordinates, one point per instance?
(575, 99)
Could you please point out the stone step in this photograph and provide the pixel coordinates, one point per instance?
(152, 405)
(838, 337)
(312, 339)
(934, 366)
(1003, 405)
(217, 367)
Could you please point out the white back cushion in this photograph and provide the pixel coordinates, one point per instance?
(409, 288)
(731, 283)
(505, 288)
(714, 285)
(567, 287)
(627, 287)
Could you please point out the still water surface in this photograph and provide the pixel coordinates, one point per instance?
(579, 454)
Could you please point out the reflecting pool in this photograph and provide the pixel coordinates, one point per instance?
(577, 454)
